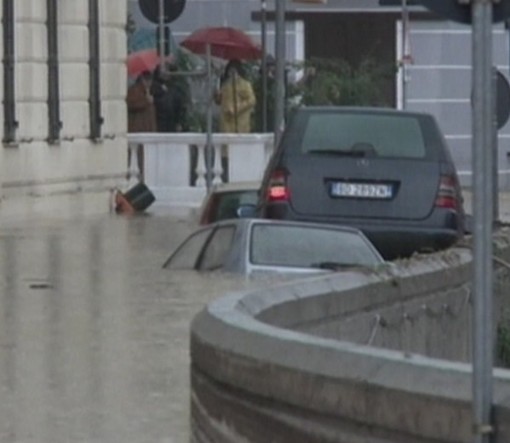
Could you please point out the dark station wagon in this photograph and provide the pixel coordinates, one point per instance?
(384, 171)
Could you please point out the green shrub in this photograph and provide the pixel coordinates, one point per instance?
(503, 340)
(336, 82)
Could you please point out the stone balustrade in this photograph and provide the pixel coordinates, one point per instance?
(174, 165)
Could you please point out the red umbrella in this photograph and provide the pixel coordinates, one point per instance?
(140, 61)
(227, 43)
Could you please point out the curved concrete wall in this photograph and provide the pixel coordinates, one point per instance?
(352, 357)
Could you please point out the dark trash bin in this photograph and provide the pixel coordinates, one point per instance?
(136, 199)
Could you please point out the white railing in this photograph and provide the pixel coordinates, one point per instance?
(174, 166)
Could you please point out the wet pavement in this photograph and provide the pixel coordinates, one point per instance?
(93, 333)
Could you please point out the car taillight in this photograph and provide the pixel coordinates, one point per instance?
(447, 195)
(277, 189)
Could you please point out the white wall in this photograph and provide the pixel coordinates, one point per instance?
(77, 173)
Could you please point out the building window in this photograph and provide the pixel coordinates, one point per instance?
(96, 120)
(10, 123)
(55, 125)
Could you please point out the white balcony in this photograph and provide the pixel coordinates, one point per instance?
(174, 166)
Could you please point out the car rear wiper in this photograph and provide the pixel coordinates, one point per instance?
(339, 152)
(360, 149)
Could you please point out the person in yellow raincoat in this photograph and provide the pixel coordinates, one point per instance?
(237, 103)
(236, 99)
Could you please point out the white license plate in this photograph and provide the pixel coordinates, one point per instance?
(361, 190)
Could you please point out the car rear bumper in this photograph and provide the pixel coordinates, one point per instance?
(393, 238)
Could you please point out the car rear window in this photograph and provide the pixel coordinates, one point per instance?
(297, 246)
(394, 136)
(227, 203)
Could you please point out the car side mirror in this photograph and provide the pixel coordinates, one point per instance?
(246, 211)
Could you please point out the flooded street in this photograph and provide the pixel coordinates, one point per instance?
(94, 334)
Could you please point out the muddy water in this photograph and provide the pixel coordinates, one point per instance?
(94, 334)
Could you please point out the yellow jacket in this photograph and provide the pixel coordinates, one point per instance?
(237, 104)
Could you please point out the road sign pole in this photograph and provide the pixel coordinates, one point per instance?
(403, 61)
(482, 150)
(280, 69)
(263, 32)
(161, 34)
(209, 148)
(495, 149)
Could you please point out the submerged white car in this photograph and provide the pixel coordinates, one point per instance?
(251, 246)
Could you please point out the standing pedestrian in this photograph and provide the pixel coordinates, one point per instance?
(171, 100)
(141, 114)
(236, 99)
(237, 103)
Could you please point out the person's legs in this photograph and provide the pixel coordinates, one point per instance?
(224, 168)
(193, 160)
(131, 146)
(140, 162)
(224, 163)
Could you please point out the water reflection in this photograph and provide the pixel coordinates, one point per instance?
(94, 334)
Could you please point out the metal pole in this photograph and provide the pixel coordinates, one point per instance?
(280, 69)
(495, 143)
(403, 61)
(96, 119)
(482, 195)
(54, 123)
(263, 31)
(9, 71)
(208, 143)
(161, 34)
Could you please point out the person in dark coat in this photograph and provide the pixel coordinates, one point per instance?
(170, 101)
(141, 113)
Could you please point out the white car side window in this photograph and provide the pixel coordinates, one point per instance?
(188, 253)
(217, 249)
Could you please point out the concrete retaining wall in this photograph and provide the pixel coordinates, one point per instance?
(353, 357)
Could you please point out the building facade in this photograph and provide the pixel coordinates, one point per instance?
(64, 84)
(64, 112)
